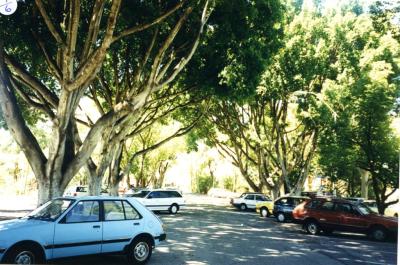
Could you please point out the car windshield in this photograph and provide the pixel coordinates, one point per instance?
(51, 210)
(141, 194)
(364, 209)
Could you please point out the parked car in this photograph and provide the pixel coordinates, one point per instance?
(66, 227)
(248, 200)
(80, 191)
(161, 200)
(328, 215)
(283, 207)
(265, 208)
(393, 210)
(372, 205)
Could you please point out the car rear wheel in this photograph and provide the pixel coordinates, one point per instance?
(264, 212)
(280, 217)
(173, 209)
(379, 233)
(24, 255)
(243, 207)
(140, 251)
(312, 227)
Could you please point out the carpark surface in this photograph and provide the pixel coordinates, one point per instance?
(211, 232)
(206, 234)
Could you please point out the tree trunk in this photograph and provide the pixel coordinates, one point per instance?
(95, 183)
(114, 187)
(364, 183)
(46, 191)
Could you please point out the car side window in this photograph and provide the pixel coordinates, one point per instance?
(113, 211)
(130, 212)
(260, 198)
(312, 204)
(84, 211)
(176, 194)
(343, 207)
(327, 206)
(249, 197)
(282, 201)
(165, 194)
(154, 195)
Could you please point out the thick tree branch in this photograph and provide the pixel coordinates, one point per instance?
(48, 22)
(16, 123)
(148, 25)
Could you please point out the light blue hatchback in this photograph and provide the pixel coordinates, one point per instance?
(66, 227)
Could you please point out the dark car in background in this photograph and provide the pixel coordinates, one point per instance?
(328, 215)
(283, 207)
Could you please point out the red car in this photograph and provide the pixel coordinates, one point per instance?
(328, 214)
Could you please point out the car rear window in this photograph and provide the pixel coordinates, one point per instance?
(113, 211)
(130, 212)
(175, 194)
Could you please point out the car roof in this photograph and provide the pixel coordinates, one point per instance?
(294, 197)
(342, 200)
(85, 198)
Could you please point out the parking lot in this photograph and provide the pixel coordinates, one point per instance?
(217, 234)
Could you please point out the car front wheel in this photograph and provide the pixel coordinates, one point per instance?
(312, 227)
(264, 212)
(140, 251)
(243, 207)
(24, 255)
(173, 209)
(280, 217)
(379, 233)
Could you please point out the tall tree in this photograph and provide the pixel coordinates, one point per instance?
(56, 51)
(363, 95)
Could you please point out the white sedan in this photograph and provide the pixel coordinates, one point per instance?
(66, 227)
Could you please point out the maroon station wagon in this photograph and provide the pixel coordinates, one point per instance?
(328, 214)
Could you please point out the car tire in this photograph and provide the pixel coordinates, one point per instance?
(312, 227)
(280, 217)
(264, 212)
(139, 252)
(173, 209)
(24, 254)
(243, 207)
(379, 233)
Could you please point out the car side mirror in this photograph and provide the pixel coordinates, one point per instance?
(150, 197)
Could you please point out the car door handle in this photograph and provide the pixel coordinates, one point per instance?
(96, 226)
(136, 223)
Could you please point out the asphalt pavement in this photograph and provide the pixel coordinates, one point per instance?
(206, 234)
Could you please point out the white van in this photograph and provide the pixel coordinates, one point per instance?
(80, 191)
(161, 200)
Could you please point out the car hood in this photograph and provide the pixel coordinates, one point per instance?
(379, 217)
(21, 224)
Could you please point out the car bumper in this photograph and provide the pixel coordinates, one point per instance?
(237, 205)
(160, 238)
